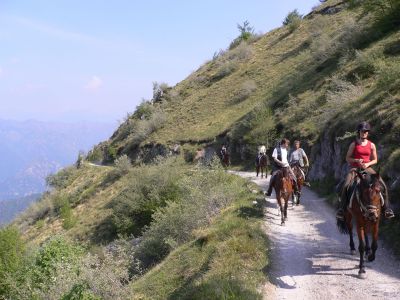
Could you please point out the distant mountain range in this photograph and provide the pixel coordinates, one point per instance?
(31, 150)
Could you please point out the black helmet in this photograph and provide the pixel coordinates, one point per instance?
(363, 126)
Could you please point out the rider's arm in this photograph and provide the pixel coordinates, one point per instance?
(349, 155)
(374, 157)
(275, 155)
(305, 158)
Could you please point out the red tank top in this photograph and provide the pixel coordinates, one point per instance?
(363, 152)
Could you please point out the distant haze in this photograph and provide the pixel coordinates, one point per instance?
(31, 150)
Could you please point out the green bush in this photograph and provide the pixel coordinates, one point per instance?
(150, 187)
(12, 259)
(62, 178)
(246, 34)
(205, 194)
(293, 20)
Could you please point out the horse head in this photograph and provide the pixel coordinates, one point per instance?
(370, 189)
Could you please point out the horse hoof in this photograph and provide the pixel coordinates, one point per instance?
(282, 223)
(286, 218)
(353, 252)
(371, 258)
(362, 275)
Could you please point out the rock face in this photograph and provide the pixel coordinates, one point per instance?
(327, 158)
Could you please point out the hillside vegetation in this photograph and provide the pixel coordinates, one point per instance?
(151, 224)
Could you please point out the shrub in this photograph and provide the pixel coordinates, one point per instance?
(36, 211)
(293, 20)
(205, 193)
(12, 253)
(150, 187)
(144, 110)
(62, 178)
(66, 214)
(388, 73)
(159, 90)
(248, 87)
(246, 32)
(123, 164)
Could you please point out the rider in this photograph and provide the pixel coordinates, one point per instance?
(280, 161)
(299, 156)
(361, 154)
(223, 151)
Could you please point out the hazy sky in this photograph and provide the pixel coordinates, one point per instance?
(95, 60)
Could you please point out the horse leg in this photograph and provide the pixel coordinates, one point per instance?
(299, 195)
(361, 249)
(367, 247)
(282, 207)
(374, 245)
(348, 218)
(285, 207)
(257, 170)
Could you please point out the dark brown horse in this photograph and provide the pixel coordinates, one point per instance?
(365, 207)
(225, 159)
(261, 165)
(283, 190)
(299, 173)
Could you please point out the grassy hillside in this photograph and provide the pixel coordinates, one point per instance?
(164, 228)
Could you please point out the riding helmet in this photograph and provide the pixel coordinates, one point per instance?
(363, 126)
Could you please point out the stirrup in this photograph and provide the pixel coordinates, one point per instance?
(389, 213)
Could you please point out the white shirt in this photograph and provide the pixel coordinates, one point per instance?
(284, 155)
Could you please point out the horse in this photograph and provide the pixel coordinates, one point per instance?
(261, 165)
(283, 190)
(225, 159)
(300, 177)
(365, 207)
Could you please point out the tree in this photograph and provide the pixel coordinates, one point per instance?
(246, 32)
(293, 20)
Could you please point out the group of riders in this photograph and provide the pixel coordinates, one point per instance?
(360, 156)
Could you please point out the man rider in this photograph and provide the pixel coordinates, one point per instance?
(299, 156)
(361, 154)
(280, 160)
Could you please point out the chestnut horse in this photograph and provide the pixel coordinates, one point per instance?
(300, 176)
(261, 165)
(365, 207)
(283, 190)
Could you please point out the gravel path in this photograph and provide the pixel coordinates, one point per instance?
(311, 260)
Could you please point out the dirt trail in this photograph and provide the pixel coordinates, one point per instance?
(311, 260)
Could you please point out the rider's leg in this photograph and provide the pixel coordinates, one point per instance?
(271, 183)
(343, 201)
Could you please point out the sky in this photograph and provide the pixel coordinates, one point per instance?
(70, 60)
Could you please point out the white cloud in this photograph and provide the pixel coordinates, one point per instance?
(94, 83)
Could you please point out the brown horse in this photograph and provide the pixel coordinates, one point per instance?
(300, 176)
(365, 207)
(261, 165)
(283, 189)
(225, 159)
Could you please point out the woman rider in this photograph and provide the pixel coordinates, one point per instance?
(361, 154)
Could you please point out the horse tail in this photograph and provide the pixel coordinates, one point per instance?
(342, 226)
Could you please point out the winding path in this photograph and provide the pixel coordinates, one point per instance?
(311, 260)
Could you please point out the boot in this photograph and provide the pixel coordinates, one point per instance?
(271, 183)
(389, 213)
